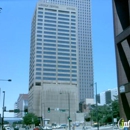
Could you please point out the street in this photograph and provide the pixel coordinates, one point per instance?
(81, 128)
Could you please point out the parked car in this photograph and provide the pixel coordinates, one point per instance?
(63, 126)
(47, 128)
(7, 128)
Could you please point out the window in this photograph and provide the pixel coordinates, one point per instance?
(38, 56)
(63, 22)
(39, 39)
(51, 49)
(61, 70)
(50, 21)
(63, 66)
(38, 64)
(47, 36)
(40, 12)
(63, 11)
(38, 60)
(48, 44)
(63, 34)
(50, 25)
(38, 69)
(64, 19)
(49, 65)
(40, 16)
(39, 27)
(64, 54)
(49, 13)
(64, 58)
(50, 57)
(64, 79)
(63, 30)
(66, 75)
(45, 32)
(45, 40)
(49, 61)
(38, 78)
(39, 52)
(45, 69)
(74, 79)
(74, 67)
(64, 62)
(51, 10)
(61, 26)
(51, 53)
(64, 15)
(64, 46)
(65, 50)
(52, 29)
(49, 74)
(63, 42)
(49, 17)
(74, 71)
(46, 78)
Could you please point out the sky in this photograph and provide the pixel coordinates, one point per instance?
(15, 30)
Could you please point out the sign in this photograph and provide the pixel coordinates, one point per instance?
(115, 119)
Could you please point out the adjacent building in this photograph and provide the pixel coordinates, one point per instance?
(107, 96)
(21, 104)
(121, 15)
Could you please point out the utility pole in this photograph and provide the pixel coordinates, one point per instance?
(3, 110)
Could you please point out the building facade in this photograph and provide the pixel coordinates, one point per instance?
(84, 44)
(121, 15)
(21, 104)
(53, 78)
(107, 96)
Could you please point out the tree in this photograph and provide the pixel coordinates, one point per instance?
(106, 112)
(30, 118)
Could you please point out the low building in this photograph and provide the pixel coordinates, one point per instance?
(21, 104)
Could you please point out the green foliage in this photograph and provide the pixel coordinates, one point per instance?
(87, 119)
(106, 112)
(30, 118)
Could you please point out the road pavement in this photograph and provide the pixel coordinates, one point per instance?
(81, 128)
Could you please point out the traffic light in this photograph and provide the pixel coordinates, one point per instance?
(69, 119)
(49, 109)
(26, 110)
(16, 110)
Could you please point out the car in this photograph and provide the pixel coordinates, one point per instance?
(7, 128)
(46, 128)
(87, 128)
(77, 124)
(63, 126)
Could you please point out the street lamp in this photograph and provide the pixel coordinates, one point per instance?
(3, 110)
(9, 80)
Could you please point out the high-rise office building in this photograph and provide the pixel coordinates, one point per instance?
(53, 81)
(121, 13)
(84, 45)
